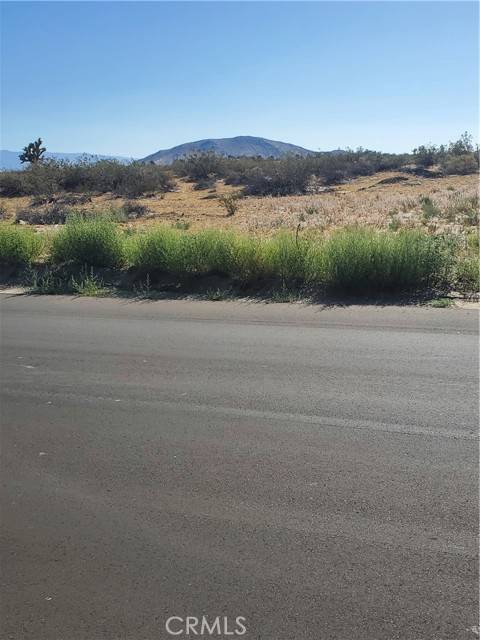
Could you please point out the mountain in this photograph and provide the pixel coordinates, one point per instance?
(238, 146)
(9, 159)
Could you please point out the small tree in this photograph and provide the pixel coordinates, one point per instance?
(33, 152)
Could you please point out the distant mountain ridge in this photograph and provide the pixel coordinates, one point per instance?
(235, 147)
(9, 160)
(238, 146)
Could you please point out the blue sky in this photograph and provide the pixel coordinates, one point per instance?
(129, 78)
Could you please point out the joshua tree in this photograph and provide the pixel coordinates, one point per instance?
(33, 152)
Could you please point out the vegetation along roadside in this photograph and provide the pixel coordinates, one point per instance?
(354, 260)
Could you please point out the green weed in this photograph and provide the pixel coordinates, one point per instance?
(217, 294)
(93, 241)
(183, 225)
(467, 275)
(284, 295)
(45, 283)
(354, 259)
(359, 260)
(284, 256)
(441, 303)
(88, 284)
(19, 246)
(429, 209)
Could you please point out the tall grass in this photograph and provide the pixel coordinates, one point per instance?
(284, 256)
(355, 260)
(247, 258)
(19, 246)
(211, 251)
(164, 249)
(94, 241)
(359, 260)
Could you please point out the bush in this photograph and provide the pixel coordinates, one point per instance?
(459, 157)
(287, 175)
(459, 165)
(48, 177)
(462, 146)
(258, 176)
(134, 210)
(138, 179)
(54, 214)
(70, 200)
(467, 275)
(296, 175)
(425, 155)
(19, 246)
(199, 166)
(165, 249)
(429, 209)
(230, 202)
(206, 184)
(91, 240)
(11, 184)
(43, 178)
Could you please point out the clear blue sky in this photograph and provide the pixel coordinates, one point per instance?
(130, 78)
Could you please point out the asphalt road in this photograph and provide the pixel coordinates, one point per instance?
(311, 470)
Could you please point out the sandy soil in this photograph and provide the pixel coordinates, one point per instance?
(366, 201)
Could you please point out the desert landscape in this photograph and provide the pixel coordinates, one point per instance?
(239, 299)
(385, 200)
(360, 221)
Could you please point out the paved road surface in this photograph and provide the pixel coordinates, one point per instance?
(314, 471)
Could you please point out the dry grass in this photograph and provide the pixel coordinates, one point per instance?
(366, 202)
(363, 201)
